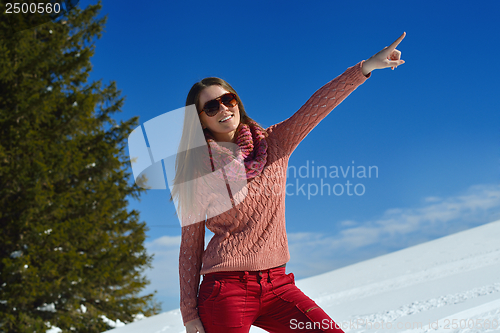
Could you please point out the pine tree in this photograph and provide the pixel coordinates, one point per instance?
(70, 251)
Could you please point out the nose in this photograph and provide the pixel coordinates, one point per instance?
(222, 107)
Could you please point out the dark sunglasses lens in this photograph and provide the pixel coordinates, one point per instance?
(211, 108)
(229, 100)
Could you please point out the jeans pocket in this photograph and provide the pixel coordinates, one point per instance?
(284, 287)
(208, 291)
(228, 307)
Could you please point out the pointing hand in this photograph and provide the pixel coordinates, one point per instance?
(388, 57)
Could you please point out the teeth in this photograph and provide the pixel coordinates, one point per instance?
(224, 119)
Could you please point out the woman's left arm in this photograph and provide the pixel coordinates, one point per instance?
(290, 132)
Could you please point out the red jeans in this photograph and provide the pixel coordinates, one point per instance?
(230, 302)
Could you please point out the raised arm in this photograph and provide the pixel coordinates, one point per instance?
(291, 131)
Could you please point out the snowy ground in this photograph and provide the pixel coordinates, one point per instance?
(448, 285)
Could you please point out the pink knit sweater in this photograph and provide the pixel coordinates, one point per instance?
(252, 236)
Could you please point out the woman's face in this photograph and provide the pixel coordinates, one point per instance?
(222, 131)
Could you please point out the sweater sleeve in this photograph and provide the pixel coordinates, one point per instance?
(206, 199)
(291, 131)
(190, 256)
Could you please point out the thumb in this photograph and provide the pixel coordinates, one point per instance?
(395, 63)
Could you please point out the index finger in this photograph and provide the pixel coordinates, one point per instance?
(397, 41)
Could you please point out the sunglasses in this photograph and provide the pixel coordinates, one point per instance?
(211, 108)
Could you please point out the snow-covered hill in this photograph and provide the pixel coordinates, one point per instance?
(451, 284)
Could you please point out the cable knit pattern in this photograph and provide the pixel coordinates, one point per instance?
(252, 236)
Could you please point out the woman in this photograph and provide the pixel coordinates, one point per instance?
(243, 266)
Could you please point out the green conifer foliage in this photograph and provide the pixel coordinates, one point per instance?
(70, 251)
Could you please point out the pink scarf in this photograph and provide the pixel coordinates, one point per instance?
(252, 152)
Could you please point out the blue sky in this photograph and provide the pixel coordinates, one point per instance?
(431, 127)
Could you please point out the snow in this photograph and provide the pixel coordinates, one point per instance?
(451, 285)
(54, 330)
(47, 307)
(112, 323)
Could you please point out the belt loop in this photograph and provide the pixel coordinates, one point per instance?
(245, 277)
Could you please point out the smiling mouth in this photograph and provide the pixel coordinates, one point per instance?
(223, 120)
